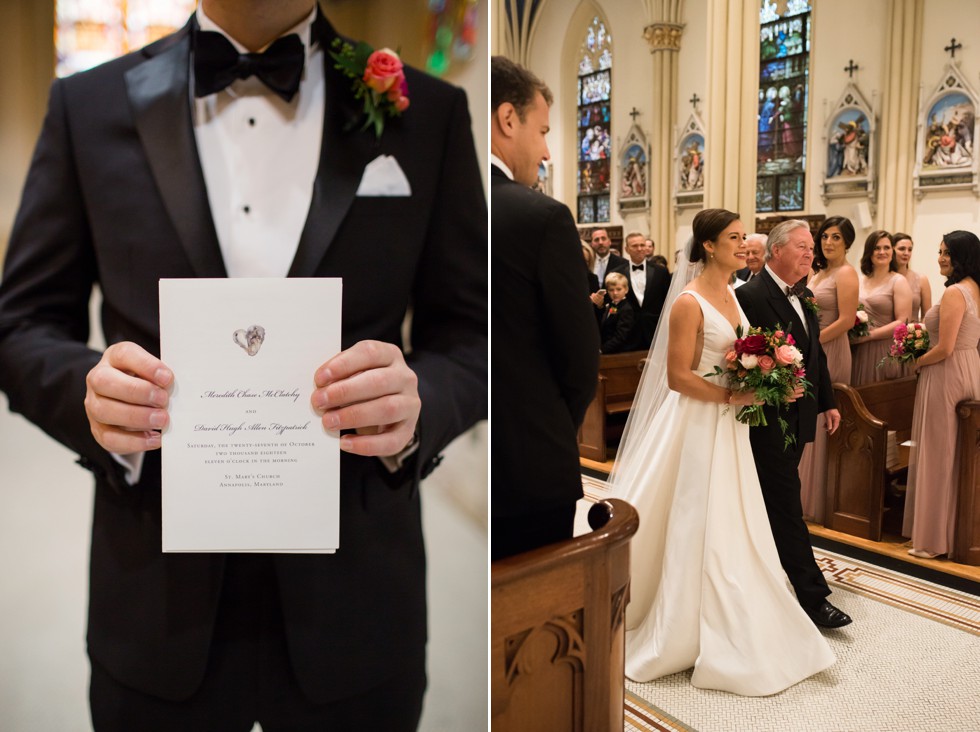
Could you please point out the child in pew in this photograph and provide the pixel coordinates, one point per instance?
(617, 319)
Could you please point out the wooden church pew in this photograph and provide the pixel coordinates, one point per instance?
(966, 535)
(557, 632)
(619, 376)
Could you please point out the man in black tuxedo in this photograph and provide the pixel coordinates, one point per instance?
(648, 290)
(755, 257)
(774, 299)
(157, 165)
(546, 360)
(606, 260)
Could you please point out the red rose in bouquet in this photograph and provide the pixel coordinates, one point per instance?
(768, 362)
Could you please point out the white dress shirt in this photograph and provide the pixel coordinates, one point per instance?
(494, 160)
(600, 269)
(793, 299)
(638, 280)
(260, 155)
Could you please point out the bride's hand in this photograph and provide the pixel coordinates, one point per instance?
(744, 398)
(797, 393)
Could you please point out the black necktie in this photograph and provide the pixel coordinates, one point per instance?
(637, 267)
(796, 289)
(217, 64)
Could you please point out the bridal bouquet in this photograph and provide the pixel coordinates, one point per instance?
(861, 324)
(768, 362)
(909, 341)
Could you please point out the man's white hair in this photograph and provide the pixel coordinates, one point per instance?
(779, 236)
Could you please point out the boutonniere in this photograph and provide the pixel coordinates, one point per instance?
(379, 79)
(613, 310)
(810, 303)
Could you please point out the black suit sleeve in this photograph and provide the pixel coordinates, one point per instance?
(449, 323)
(572, 332)
(49, 273)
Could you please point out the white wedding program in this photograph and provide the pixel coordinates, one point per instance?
(247, 465)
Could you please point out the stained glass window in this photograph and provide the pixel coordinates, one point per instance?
(89, 32)
(784, 88)
(594, 141)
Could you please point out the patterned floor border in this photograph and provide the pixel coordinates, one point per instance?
(941, 604)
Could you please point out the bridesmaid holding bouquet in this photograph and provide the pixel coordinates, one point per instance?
(887, 298)
(835, 288)
(948, 373)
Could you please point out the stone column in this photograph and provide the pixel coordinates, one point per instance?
(731, 108)
(664, 37)
(900, 114)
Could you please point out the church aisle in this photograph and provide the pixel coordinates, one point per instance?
(911, 660)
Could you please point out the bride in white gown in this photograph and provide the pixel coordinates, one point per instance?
(707, 589)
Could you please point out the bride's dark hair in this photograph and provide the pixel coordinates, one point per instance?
(708, 224)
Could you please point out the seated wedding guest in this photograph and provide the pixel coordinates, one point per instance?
(948, 373)
(921, 291)
(887, 298)
(755, 258)
(617, 320)
(658, 260)
(835, 290)
(648, 287)
(547, 357)
(589, 256)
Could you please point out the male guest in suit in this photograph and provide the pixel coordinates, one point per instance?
(773, 299)
(755, 258)
(199, 156)
(606, 260)
(648, 290)
(546, 360)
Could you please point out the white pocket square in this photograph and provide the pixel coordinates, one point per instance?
(383, 176)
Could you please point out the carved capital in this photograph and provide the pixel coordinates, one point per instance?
(663, 36)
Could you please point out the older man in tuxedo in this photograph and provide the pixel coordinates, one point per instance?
(235, 148)
(648, 290)
(546, 360)
(775, 299)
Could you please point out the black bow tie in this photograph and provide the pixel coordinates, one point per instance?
(798, 289)
(217, 64)
(637, 267)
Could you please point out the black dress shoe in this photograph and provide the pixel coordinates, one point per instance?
(828, 616)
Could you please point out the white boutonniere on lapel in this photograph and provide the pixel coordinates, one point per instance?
(379, 79)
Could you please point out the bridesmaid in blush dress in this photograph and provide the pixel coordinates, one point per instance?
(919, 283)
(948, 373)
(835, 288)
(887, 298)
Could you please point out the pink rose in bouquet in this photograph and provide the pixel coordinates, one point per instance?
(909, 342)
(769, 363)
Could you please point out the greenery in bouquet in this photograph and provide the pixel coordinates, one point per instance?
(768, 362)
(909, 341)
(862, 324)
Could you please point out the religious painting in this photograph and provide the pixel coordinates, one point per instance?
(945, 154)
(949, 135)
(692, 163)
(634, 171)
(847, 153)
(850, 136)
(689, 164)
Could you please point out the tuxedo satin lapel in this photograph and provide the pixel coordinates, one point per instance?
(344, 153)
(159, 95)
